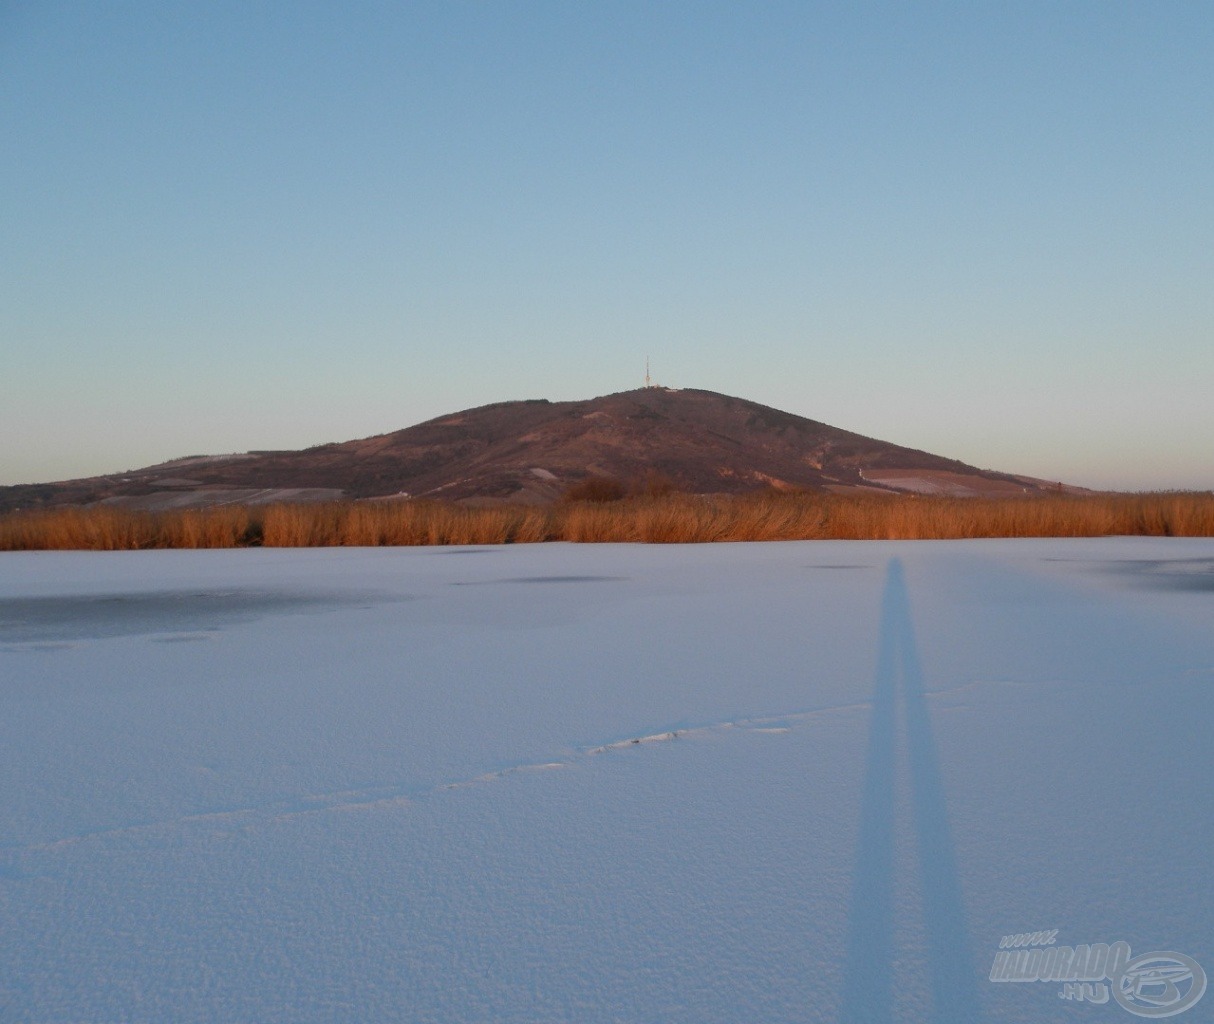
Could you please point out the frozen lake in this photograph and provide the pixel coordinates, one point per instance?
(810, 781)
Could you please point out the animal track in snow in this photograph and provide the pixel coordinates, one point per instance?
(236, 819)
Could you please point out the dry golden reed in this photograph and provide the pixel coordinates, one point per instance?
(662, 519)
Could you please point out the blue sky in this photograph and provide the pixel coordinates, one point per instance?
(985, 230)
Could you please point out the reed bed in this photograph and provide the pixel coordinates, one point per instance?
(663, 519)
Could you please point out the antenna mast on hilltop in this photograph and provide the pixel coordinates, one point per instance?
(647, 381)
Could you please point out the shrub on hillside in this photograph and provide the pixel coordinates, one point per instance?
(595, 488)
(654, 484)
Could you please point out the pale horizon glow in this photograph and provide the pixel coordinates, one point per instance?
(979, 231)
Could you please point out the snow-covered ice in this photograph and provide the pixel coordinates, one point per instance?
(759, 782)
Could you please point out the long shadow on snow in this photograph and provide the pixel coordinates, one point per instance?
(868, 979)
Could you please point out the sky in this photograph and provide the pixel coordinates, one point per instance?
(983, 230)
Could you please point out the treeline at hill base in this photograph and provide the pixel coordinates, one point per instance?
(670, 518)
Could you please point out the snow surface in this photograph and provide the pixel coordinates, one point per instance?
(758, 782)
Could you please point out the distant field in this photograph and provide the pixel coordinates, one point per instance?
(667, 519)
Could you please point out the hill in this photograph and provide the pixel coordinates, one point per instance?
(532, 451)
